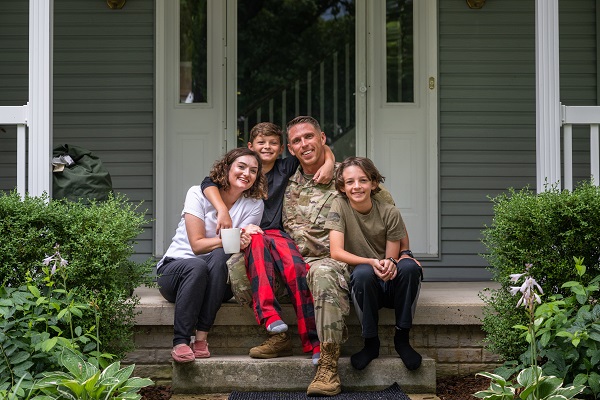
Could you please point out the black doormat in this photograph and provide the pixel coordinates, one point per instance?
(392, 393)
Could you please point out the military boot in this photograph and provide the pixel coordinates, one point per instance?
(327, 381)
(278, 345)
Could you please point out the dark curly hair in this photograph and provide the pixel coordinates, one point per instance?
(220, 173)
(363, 163)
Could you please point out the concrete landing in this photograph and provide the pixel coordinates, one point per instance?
(241, 373)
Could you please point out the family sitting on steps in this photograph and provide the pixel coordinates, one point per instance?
(328, 230)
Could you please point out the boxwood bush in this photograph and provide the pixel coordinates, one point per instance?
(97, 241)
(546, 230)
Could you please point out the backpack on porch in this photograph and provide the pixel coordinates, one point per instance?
(78, 175)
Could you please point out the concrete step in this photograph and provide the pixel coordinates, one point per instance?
(242, 373)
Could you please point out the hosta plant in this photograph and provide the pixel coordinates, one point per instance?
(86, 381)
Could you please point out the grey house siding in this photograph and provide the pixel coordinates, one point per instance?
(104, 93)
(487, 114)
(104, 88)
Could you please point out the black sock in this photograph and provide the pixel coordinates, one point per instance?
(410, 358)
(370, 352)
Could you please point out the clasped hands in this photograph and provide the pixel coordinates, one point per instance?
(384, 269)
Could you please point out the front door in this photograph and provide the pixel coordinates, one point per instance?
(273, 60)
(191, 94)
(401, 93)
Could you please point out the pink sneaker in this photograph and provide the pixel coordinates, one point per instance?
(182, 353)
(200, 348)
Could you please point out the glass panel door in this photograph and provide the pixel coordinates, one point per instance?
(298, 58)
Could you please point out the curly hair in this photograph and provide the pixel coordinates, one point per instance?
(220, 173)
(303, 119)
(266, 129)
(363, 163)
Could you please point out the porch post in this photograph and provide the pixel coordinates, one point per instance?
(547, 94)
(40, 96)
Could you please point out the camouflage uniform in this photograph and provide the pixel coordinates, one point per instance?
(305, 208)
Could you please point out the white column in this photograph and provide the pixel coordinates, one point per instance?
(40, 96)
(547, 93)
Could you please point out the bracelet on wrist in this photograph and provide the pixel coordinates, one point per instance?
(407, 252)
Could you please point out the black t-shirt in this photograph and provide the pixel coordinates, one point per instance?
(277, 179)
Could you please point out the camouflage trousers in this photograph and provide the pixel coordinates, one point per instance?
(328, 281)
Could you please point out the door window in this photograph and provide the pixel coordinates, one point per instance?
(193, 60)
(298, 58)
(399, 51)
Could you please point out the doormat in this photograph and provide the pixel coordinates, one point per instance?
(394, 392)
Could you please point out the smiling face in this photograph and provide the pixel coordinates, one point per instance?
(307, 143)
(243, 173)
(357, 186)
(268, 149)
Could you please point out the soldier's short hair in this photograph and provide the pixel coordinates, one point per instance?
(363, 163)
(303, 119)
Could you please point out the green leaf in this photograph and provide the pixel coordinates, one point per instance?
(49, 344)
(522, 327)
(34, 291)
(19, 357)
(564, 334)
(548, 385)
(78, 330)
(570, 391)
(528, 376)
(580, 379)
(136, 384)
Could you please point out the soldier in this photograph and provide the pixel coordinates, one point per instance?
(305, 210)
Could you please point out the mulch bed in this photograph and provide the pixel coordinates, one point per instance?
(460, 387)
(447, 388)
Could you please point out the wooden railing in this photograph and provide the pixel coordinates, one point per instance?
(580, 115)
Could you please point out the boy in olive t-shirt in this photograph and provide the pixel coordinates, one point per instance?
(371, 238)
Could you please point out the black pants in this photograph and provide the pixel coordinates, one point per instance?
(197, 286)
(369, 294)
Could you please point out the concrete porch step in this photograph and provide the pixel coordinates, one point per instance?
(241, 373)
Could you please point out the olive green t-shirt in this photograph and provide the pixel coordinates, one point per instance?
(365, 235)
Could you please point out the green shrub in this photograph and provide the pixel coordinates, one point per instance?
(96, 239)
(546, 230)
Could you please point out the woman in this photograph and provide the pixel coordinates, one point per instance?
(192, 273)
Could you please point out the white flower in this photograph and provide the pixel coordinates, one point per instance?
(48, 259)
(529, 290)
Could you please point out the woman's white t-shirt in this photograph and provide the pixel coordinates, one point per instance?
(244, 211)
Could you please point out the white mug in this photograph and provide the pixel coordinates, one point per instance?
(231, 240)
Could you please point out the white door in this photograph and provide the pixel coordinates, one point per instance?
(401, 96)
(191, 112)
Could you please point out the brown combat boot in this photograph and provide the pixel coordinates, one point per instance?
(327, 381)
(278, 345)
